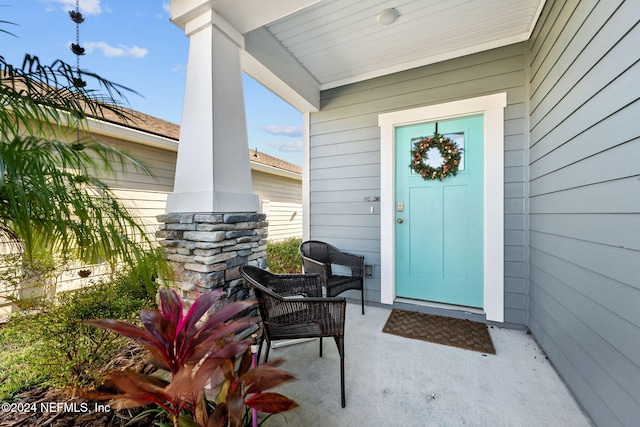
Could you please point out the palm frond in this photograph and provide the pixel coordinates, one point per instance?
(42, 99)
(5, 31)
(49, 199)
(52, 195)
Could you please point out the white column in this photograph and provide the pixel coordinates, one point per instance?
(213, 173)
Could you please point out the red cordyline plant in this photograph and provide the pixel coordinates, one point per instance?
(245, 386)
(196, 352)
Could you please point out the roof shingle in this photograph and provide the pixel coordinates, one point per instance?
(156, 126)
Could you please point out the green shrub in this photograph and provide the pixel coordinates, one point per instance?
(56, 348)
(31, 283)
(284, 257)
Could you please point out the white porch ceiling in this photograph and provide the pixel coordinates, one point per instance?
(340, 42)
(299, 47)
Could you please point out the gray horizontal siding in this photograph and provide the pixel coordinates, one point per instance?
(585, 201)
(345, 156)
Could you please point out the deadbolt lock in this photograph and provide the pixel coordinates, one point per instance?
(400, 207)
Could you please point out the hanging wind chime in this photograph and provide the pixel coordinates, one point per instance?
(78, 50)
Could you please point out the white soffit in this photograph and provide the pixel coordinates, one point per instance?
(340, 41)
(243, 15)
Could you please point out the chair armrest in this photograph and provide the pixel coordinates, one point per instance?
(328, 313)
(354, 262)
(287, 285)
(316, 300)
(316, 267)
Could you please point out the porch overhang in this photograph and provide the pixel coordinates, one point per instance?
(263, 57)
(297, 48)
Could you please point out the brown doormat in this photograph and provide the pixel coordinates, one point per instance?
(441, 330)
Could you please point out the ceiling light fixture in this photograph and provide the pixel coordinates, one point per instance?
(387, 16)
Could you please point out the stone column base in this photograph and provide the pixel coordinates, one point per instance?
(207, 250)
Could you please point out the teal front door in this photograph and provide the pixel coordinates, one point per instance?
(439, 224)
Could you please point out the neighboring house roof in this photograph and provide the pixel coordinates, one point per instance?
(170, 131)
(267, 160)
(155, 126)
(150, 125)
(145, 123)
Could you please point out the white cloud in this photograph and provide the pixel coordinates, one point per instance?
(179, 68)
(288, 146)
(291, 131)
(121, 50)
(166, 10)
(87, 7)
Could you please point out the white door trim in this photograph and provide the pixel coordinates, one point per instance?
(492, 108)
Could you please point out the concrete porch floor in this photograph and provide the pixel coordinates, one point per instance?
(395, 381)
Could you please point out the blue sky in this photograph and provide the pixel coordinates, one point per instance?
(132, 42)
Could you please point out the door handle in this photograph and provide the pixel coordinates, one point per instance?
(400, 220)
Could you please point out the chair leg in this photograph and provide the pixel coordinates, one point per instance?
(362, 299)
(266, 354)
(260, 350)
(340, 343)
(320, 346)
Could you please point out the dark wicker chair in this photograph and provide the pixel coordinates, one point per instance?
(291, 307)
(318, 257)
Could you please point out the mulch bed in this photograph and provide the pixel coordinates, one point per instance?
(460, 333)
(41, 406)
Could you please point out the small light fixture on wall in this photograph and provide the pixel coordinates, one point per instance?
(387, 16)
